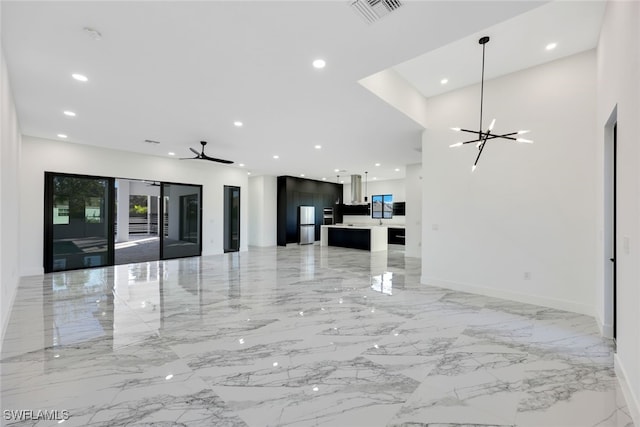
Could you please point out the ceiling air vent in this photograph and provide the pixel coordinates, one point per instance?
(373, 10)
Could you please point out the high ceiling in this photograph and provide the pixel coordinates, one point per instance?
(180, 72)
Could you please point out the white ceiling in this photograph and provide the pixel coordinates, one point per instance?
(516, 44)
(180, 72)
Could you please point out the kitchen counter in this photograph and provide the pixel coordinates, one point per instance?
(367, 237)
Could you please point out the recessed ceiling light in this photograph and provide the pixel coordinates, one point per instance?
(318, 147)
(238, 124)
(374, 178)
(444, 81)
(341, 182)
(551, 46)
(171, 153)
(397, 169)
(301, 174)
(324, 178)
(248, 173)
(377, 164)
(336, 170)
(241, 165)
(276, 156)
(69, 113)
(62, 135)
(319, 63)
(80, 77)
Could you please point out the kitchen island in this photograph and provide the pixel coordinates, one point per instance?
(368, 237)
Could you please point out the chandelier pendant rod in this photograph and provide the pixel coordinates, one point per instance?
(483, 42)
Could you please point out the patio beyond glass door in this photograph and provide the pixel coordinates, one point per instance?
(181, 207)
(78, 222)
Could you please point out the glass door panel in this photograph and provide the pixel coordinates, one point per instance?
(78, 222)
(181, 208)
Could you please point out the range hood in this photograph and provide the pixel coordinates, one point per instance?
(356, 190)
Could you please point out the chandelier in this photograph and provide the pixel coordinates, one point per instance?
(481, 137)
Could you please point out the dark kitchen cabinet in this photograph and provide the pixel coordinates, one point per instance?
(395, 236)
(294, 192)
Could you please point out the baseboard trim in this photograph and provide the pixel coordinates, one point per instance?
(513, 296)
(633, 403)
(606, 329)
(6, 316)
(32, 272)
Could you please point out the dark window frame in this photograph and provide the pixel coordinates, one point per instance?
(385, 200)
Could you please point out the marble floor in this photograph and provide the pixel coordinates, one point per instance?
(295, 336)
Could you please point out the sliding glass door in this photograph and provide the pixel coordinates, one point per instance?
(80, 216)
(78, 221)
(182, 220)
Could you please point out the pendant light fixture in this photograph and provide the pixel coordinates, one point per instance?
(482, 137)
(366, 194)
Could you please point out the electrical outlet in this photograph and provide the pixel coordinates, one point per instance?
(527, 275)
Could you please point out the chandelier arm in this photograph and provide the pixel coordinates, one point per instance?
(503, 136)
(470, 131)
(493, 135)
(479, 154)
(488, 136)
(481, 149)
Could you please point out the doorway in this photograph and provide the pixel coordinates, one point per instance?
(231, 218)
(78, 224)
(610, 226)
(136, 221)
(181, 213)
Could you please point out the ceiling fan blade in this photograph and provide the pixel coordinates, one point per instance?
(213, 159)
(189, 158)
(202, 156)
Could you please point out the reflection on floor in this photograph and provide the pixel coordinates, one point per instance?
(297, 336)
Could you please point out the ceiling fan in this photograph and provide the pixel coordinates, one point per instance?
(203, 156)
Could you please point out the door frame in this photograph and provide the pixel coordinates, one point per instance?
(161, 212)
(47, 247)
(611, 155)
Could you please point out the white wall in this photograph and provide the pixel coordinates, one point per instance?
(9, 197)
(396, 91)
(40, 155)
(528, 208)
(413, 210)
(618, 88)
(263, 210)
